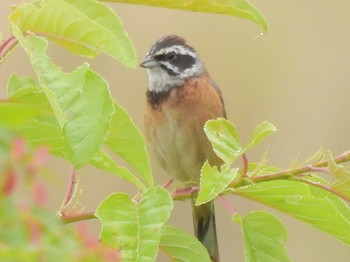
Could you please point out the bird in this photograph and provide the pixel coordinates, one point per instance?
(181, 96)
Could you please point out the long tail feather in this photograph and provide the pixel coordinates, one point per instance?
(205, 228)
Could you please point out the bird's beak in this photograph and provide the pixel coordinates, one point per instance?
(149, 62)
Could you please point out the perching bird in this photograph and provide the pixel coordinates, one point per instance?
(181, 97)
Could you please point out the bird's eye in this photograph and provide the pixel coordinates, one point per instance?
(171, 56)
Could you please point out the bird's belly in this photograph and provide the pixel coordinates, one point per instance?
(178, 147)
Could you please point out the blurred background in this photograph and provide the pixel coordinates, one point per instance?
(296, 76)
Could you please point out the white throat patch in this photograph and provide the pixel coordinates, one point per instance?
(159, 80)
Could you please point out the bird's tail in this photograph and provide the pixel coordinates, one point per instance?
(205, 228)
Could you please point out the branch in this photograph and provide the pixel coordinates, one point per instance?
(345, 157)
(296, 174)
(184, 193)
(76, 217)
(72, 216)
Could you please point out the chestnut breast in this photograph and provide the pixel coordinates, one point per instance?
(174, 122)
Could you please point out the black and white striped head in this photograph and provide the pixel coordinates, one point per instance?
(169, 62)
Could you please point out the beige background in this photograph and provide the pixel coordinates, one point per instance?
(297, 76)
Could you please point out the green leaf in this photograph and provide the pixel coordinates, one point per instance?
(314, 158)
(126, 141)
(17, 114)
(39, 129)
(85, 27)
(104, 162)
(240, 8)
(260, 132)
(180, 246)
(26, 102)
(35, 234)
(44, 130)
(310, 204)
(342, 184)
(24, 90)
(135, 228)
(260, 168)
(224, 138)
(20, 86)
(264, 237)
(214, 182)
(39, 133)
(6, 138)
(80, 100)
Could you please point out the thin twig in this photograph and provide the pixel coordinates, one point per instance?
(319, 169)
(77, 217)
(295, 172)
(184, 193)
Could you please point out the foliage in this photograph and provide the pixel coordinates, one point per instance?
(263, 231)
(29, 230)
(75, 117)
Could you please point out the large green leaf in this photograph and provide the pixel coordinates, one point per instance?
(224, 138)
(26, 102)
(126, 141)
(17, 114)
(135, 228)
(85, 27)
(264, 237)
(181, 246)
(213, 182)
(80, 100)
(38, 133)
(19, 86)
(102, 161)
(240, 8)
(310, 204)
(42, 128)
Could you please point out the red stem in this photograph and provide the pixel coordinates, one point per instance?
(324, 187)
(71, 188)
(228, 205)
(168, 183)
(245, 165)
(184, 192)
(7, 45)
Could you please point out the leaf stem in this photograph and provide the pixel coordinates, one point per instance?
(168, 183)
(228, 205)
(71, 188)
(324, 187)
(7, 45)
(245, 165)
